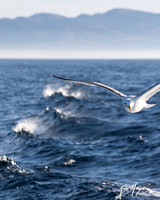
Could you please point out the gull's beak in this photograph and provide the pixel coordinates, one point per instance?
(129, 107)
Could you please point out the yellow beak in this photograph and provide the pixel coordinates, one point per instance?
(129, 107)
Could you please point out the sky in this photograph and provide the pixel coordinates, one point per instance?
(72, 8)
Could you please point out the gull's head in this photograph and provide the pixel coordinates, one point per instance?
(128, 104)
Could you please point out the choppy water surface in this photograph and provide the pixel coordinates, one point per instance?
(61, 140)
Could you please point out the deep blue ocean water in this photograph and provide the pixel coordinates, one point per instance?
(61, 140)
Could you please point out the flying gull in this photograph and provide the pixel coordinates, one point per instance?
(131, 104)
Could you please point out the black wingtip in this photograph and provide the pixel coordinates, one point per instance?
(57, 76)
(53, 75)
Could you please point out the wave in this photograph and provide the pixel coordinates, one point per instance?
(64, 114)
(32, 125)
(7, 165)
(66, 90)
(43, 124)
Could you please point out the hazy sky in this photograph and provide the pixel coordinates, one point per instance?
(14, 8)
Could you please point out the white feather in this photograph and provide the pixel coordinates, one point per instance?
(150, 92)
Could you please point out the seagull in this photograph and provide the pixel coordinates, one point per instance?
(131, 104)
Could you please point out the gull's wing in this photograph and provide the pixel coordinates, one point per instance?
(150, 92)
(91, 83)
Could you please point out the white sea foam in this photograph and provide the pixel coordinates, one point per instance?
(65, 90)
(64, 114)
(58, 110)
(48, 91)
(69, 162)
(28, 125)
(9, 160)
(10, 165)
(32, 125)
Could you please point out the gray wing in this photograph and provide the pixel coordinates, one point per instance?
(150, 92)
(91, 83)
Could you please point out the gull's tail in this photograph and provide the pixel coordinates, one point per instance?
(149, 105)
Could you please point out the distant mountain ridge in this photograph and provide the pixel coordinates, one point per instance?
(117, 28)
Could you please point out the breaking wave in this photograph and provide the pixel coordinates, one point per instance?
(32, 125)
(64, 114)
(43, 124)
(66, 90)
(8, 165)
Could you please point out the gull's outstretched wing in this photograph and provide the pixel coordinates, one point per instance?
(150, 92)
(91, 83)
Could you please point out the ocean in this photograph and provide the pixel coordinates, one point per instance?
(62, 140)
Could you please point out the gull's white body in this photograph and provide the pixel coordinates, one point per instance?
(131, 104)
(135, 104)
